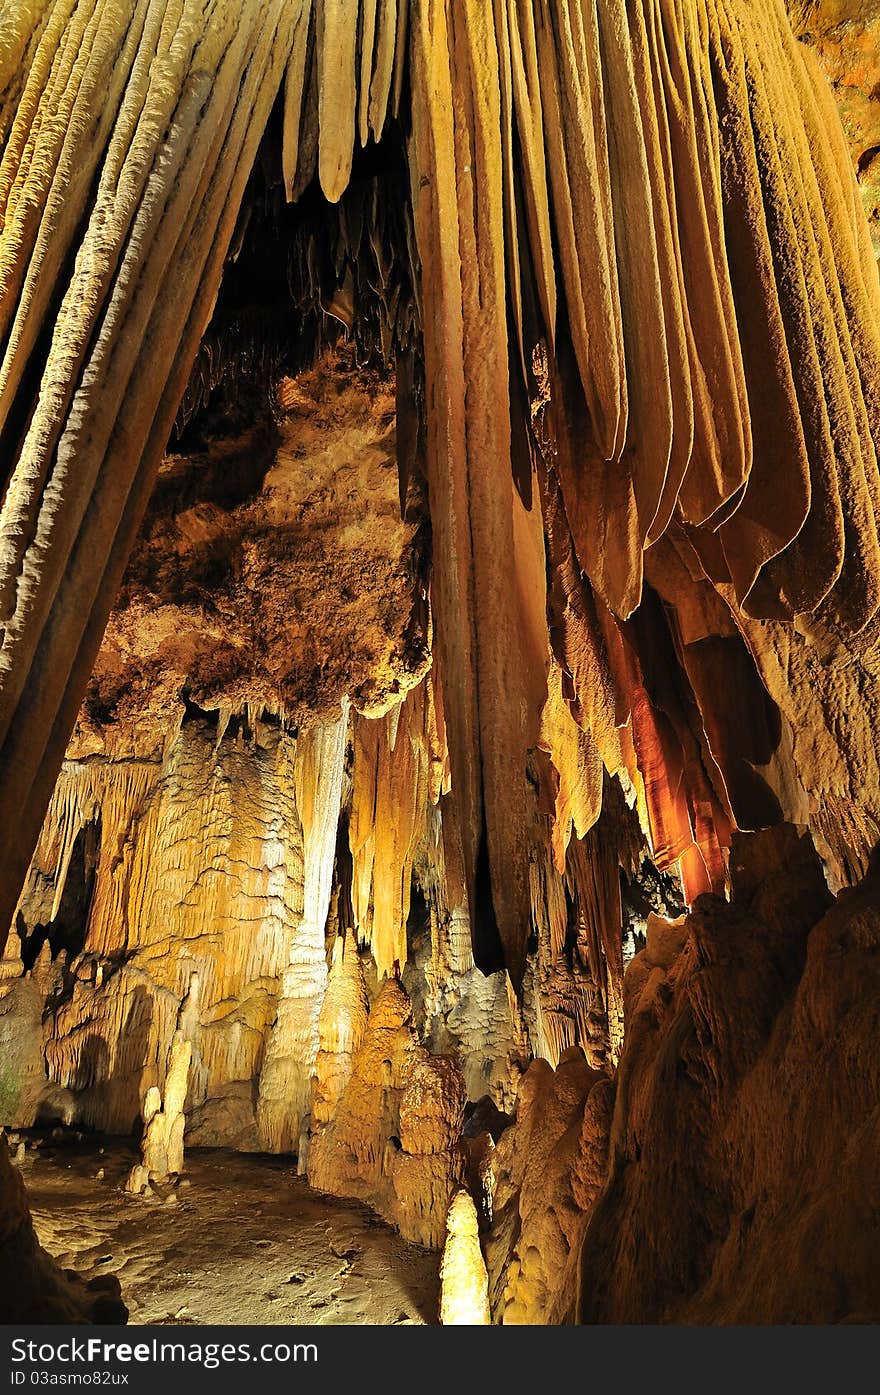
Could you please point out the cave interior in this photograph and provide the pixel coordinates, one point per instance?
(440, 661)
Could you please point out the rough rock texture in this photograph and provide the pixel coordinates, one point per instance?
(197, 896)
(753, 1042)
(394, 1139)
(634, 314)
(548, 1169)
(285, 1079)
(845, 36)
(212, 881)
(274, 573)
(616, 405)
(22, 1074)
(464, 1013)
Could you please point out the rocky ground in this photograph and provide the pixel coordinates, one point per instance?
(246, 1241)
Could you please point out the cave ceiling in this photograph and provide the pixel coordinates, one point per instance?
(639, 492)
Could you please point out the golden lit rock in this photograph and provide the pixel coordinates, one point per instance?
(464, 1296)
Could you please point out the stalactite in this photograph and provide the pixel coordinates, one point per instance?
(549, 1168)
(84, 793)
(137, 194)
(197, 893)
(392, 777)
(634, 314)
(489, 583)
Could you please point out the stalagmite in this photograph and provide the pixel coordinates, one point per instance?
(11, 964)
(341, 1026)
(394, 1138)
(464, 1292)
(164, 1121)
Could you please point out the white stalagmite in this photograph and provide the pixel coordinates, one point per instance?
(164, 1120)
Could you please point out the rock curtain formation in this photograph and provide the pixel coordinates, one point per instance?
(128, 132)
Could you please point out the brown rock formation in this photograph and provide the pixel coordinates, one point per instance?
(745, 1022)
(341, 1027)
(548, 1170)
(753, 1043)
(273, 574)
(162, 1143)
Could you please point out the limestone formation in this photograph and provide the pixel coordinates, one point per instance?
(464, 1294)
(624, 426)
(749, 1012)
(164, 1121)
(704, 463)
(288, 1065)
(117, 215)
(466, 1014)
(548, 1168)
(844, 39)
(341, 1027)
(599, 1215)
(199, 870)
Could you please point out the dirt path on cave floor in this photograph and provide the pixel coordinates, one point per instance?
(247, 1242)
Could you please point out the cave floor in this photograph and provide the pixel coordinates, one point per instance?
(246, 1242)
